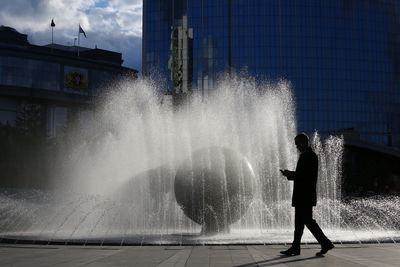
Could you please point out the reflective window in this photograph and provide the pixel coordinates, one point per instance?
(57, 118)
(29, 73)
(100, 80)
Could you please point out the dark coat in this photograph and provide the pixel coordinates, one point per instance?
(305, 179)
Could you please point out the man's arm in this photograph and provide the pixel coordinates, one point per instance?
(290, 175)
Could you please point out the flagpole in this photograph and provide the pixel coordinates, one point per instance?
(52, 25)
(79, 38)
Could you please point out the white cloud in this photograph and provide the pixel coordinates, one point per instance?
(116, 25)
(129, 4)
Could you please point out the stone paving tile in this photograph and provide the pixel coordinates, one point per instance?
(377, 255)
(380, 255)
(96, 255)
(260, 258)
(241, 257)
(199, 257)
(177, 260)
(136, 256)
(67, 256)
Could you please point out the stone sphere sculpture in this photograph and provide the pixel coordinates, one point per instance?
(214, 188)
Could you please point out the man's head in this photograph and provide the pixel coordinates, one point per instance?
(301, 141)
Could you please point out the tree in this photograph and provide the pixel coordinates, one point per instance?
(30, 119)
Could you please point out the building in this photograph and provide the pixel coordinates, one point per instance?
(341, 56)
(52, 79)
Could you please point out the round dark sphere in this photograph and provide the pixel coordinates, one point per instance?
(214, 188)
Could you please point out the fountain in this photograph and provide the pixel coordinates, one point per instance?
(144, 173)
(214, 188)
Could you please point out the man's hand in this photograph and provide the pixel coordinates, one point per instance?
(286, 173)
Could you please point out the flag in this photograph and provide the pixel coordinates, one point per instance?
(82, 31)
(52, 23)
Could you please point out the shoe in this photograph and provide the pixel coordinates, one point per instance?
(325, 249)
(291, 252)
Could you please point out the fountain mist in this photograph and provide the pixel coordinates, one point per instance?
(118, 183)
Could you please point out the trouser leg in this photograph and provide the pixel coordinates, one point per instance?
(298, 227)
(314, 228)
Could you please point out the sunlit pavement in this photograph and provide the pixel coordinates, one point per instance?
(342, 255)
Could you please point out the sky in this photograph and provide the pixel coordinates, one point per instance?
(114, 25)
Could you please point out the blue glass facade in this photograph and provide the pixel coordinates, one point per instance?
(342, 57)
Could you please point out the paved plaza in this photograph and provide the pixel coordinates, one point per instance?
(379, 255)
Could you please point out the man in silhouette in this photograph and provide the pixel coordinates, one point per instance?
(305, 197)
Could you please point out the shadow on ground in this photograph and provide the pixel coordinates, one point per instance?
(277, 260)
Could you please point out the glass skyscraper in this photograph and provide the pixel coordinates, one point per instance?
(342, 57)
